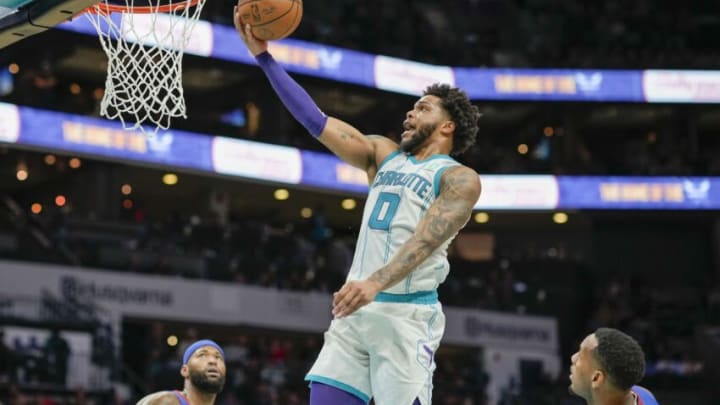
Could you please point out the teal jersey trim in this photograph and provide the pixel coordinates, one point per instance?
(387, 159)
(339, 385)
(420, 297)
(436, 179)
(433, 157)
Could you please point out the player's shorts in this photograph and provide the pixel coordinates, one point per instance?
(385, 350)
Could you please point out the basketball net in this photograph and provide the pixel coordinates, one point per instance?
(145, 47)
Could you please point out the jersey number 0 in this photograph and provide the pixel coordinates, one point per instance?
(385, 209)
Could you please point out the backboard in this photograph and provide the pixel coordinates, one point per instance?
(20, 19)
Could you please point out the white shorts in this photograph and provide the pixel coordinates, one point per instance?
(384, 351)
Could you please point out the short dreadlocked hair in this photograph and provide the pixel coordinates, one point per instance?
(462, 112)
(620, 356)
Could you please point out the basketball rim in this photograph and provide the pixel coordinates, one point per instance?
(140, 7)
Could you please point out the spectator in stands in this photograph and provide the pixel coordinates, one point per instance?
(30, 360)
(80, 397)
(713, 304)
(56, 354)
(16, 396)
(6, 360)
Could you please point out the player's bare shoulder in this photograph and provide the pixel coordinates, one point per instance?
(160, 398)
(383, 146)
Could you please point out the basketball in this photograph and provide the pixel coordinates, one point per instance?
(271, 19)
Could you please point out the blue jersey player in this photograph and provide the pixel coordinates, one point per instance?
(607, 368)
(203, 370)
(387, 319)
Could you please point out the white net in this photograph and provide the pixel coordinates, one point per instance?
(144, 88)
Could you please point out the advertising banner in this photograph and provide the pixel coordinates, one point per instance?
(162, 297)
(674, 193)
(681, 86)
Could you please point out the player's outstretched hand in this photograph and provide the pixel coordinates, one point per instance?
(353, 295)
(254, 45)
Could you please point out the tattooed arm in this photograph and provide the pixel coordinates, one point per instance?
(459, 191)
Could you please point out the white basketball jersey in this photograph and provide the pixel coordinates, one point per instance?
(399, 197)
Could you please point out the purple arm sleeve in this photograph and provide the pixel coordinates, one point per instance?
(295, 98)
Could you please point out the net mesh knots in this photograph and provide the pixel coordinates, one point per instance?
(143, 88)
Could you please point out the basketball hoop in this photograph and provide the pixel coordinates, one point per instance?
(145, 47)
(107, 8)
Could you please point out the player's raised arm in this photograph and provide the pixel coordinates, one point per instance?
(340, 137)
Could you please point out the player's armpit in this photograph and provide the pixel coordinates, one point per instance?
(459, 191)
(159, 398)
(353, 147)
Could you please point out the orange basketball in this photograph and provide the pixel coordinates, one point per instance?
(271, 19)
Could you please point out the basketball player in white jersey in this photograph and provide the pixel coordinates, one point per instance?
(388, 321)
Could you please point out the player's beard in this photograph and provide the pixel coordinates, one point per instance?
(204, 384)
(574, 393)
(422, 133)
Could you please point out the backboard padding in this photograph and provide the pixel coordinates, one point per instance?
(38, 16)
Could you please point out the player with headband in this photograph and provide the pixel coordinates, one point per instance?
(203, 370)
